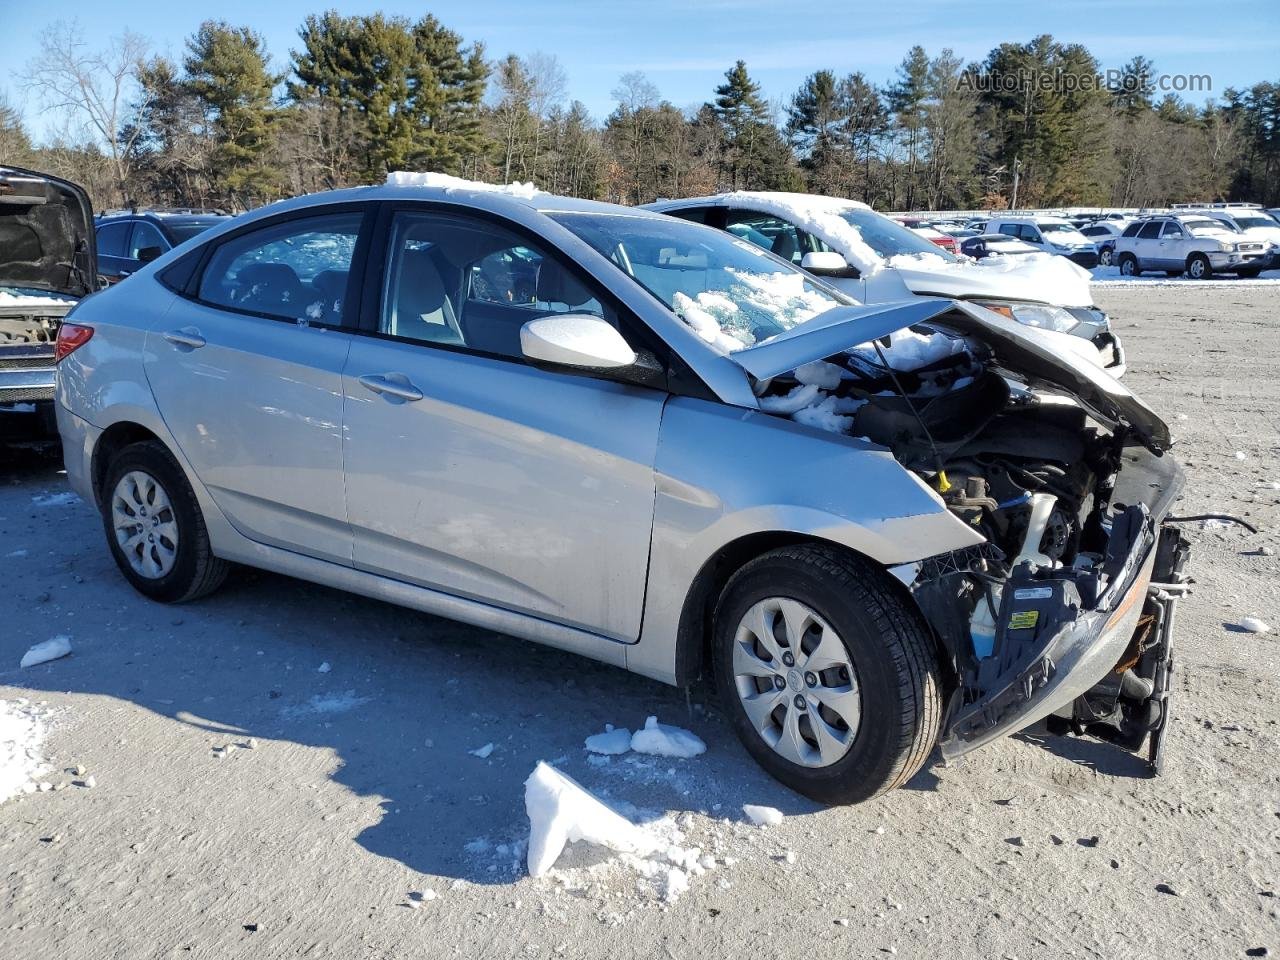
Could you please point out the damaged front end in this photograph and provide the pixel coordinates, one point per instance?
(1065, 614)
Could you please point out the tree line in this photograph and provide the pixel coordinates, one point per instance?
(227, 126)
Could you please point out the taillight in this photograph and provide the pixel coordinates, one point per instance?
(71, 337)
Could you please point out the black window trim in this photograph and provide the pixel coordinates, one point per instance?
(633, 329)
(355, 276)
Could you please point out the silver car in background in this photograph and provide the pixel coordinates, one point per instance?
(880, 529)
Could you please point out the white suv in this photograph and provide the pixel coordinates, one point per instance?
(1253, 224)
(1192, 243)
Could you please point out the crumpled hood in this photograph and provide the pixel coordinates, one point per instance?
(1041, 277)
(1019, 349)
(46, 234)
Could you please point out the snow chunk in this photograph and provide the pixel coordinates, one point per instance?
(1254, 625)
(324, 667)
(819, 216)
(661, 740)
(613, 741)
(21, 732)
(560, 812)
(820, 374)
(909, 350)
(482, 752)
(1240, 455)
(762, 816)
(51, 649)
(443, 181)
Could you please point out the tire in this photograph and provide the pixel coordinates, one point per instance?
(1198, 267)
(144, 483)
(1106, 257)
(1128, 264)
(890, 667)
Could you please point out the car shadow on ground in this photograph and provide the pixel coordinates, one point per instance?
(403, 700)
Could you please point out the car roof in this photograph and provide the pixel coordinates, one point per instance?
(762, 199)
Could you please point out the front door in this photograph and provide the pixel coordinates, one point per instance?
(247, 374)
(473, 472)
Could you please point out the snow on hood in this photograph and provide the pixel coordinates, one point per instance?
(1042, 277)
(1019, 349)
(22, 298)
(443, 181)
(817, 215)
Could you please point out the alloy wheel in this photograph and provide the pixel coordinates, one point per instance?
(796, 682)
(146, 527)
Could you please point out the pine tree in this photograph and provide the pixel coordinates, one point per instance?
(227, 71)
(743, 117)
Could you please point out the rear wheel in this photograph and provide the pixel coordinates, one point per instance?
(829, 676)
(1198, 267)
(1129, 265)
(154, 526)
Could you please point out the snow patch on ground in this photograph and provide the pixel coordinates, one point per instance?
(614, 741)
(323, 703)
(660, 740)
(443, 181)
(762, 816)
(1254, 625)
(64, 499)
(22, 730)
(47, 650)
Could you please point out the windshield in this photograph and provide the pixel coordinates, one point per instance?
(1062, 231)
(1207, 224)
(730, 292)
(1247, 222)
(186, 229)
(890, 238)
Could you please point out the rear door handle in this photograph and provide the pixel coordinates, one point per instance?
(186, 337)
(391, 384)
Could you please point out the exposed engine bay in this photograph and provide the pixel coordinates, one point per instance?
(1069, 507)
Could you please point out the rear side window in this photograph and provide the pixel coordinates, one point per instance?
(113, 238)
(1132, 230)
(295, 270)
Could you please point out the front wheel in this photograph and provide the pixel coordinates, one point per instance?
(1106, 257)
(154, 526)
(830, 678)
(1198, 267)
(1129, 265)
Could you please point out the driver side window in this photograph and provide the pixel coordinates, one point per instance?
(472, 284)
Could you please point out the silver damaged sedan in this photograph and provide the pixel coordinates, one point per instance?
(881, 530)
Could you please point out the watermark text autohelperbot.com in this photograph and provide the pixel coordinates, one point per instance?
(1064, 81)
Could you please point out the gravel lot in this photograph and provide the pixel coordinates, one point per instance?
(358, 792)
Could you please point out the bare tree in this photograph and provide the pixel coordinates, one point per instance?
(94, 88)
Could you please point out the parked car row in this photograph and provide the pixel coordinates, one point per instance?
(674, 443)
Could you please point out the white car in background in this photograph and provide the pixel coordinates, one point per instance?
(1103, 233)
(1052, 235)
(877, 260)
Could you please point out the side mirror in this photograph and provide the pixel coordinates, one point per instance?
(147, 254)
(828, 263)
(575, 340)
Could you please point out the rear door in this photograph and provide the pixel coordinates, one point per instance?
(247, 372)
(472, 471)
(1147, 245)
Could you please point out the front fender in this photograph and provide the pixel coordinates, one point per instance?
(724, 473)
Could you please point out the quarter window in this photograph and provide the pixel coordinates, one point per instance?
(472, 284)
(113, 238)
(295, 270)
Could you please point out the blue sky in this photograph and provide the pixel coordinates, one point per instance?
(684, 46)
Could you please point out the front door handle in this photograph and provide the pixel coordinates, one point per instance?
(186, 337)
(391, 384)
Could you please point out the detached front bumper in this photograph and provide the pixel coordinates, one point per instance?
(1054, 644)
